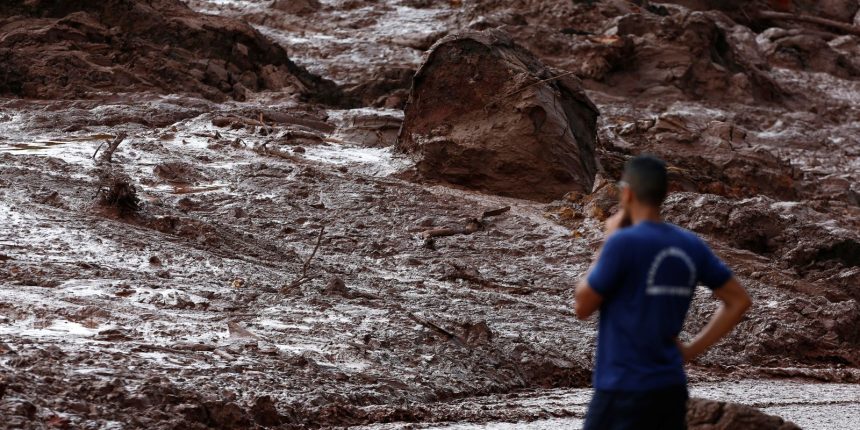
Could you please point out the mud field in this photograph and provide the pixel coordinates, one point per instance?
(211, 222)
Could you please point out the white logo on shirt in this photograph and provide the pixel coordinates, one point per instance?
(670, 290)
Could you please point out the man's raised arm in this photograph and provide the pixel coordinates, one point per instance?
(735, 302)
(586, 300)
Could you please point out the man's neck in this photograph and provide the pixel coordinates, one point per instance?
(645, 213)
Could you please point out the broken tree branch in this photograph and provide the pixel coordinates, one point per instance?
(304, 276)
(107, 155)
(841, 26)
(97, 150)
(313, 253)
(450, 336)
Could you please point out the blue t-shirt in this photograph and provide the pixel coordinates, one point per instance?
(647, 275)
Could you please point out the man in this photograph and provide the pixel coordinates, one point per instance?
(643, 282)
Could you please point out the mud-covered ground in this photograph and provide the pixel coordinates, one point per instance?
(273, 272)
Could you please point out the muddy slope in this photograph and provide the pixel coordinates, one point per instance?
(76, 49)
(211, 295)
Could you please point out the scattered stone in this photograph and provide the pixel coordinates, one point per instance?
(238, 332)
(336, 287)
(478, 333)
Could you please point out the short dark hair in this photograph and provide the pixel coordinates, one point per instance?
(647, 177)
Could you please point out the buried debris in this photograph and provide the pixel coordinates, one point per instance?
(120, 195)
(115, 188)
(472, 225)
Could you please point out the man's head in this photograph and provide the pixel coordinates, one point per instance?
(644, 182)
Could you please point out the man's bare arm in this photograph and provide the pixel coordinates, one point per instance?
(586, 300)
(735, 302)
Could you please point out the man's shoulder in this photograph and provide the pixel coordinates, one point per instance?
(642, 233)
(683, 231)
(689, 237)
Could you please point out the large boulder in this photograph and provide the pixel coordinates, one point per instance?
(700, 55)
(80, 49)
(485, 113)
(713, 415)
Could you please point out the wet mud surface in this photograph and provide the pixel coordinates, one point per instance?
(263, 261)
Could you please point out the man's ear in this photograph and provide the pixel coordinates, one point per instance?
(626, 196)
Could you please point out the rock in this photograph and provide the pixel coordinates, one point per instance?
(227, 415)
(477, 333)
(241, 333)
(849, 47)
(265, 413)
(704, 54)
(713, 415)
(840, 10)
(336, 287)
(486, 114)
(801, 50)
(378, 87)
(603, 201)
(65, 49)
(17, 407)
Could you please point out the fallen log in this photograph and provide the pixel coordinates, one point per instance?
(841, 26)
(450, 336)
(472, 225)
(495, 212)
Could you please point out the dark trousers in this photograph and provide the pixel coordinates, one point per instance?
(662, 409)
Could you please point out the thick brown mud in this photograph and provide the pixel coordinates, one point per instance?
(263, 261)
